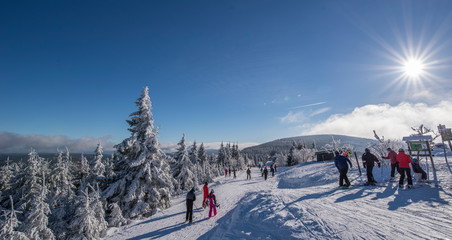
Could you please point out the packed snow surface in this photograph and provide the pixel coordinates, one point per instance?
(305, 202)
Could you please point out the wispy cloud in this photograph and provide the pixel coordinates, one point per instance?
(293, 117)
(389, 121)
(319, 111)
(17, 143)
(309, 105)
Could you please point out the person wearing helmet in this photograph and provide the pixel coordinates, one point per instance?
(392, 155)
(191, 197)
(404, 166)
(368, 162)
(212, 204)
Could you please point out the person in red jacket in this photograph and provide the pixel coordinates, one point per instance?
(206, 194)
(392, 155)
(404, 167)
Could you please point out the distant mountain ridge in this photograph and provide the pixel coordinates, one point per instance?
(283, 145)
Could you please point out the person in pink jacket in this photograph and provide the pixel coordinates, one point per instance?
(404, 167)
(212, 204)
(392, 155)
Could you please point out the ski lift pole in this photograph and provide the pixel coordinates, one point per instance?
(357, 163)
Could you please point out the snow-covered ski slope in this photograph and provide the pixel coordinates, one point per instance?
(305, 202)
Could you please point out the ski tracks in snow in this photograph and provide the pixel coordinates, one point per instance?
(304, 202)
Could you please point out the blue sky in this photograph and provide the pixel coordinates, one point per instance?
(240, 71)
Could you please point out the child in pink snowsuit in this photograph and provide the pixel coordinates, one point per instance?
(212, 204)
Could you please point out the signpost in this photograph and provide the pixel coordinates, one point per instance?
(446, 135)
(421, 144)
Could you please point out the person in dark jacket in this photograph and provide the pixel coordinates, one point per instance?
(248, 174)
(368, 162)
(273, 171)
(417, 169)
(392, 155)
(265, 173)
(342, 166)
(191, 197)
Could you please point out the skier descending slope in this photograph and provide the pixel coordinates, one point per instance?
(191, 197)
(368, 161)
(341, 165)
(212, 204)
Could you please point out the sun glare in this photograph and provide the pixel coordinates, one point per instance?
(413, 68)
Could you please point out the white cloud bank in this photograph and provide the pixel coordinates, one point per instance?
(17, 143)
(393, 122)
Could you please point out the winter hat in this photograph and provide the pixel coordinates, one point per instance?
(212, 191)
(389, 149)
(367, 150)
(336, 153)
(193, 189)
(415, 160)
(401, 150)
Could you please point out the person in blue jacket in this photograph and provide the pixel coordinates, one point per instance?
(342, 166)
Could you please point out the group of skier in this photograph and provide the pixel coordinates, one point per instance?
(399, 161)
(209, 199)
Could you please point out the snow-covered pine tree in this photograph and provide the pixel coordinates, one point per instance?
(61, 194)
(6, 174)
(205, 173)
(228, 156)
(222, 157)
(115, 218)
(193, 155)
(214, 167)
(84, 168)
(290, 156)
(29, 182)
(97, 165)
(88, 221)
(109, 167)
(143, 182)
(36, 220)
(9, 225)
(183, 172)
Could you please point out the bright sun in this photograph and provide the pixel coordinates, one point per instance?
(413, 68)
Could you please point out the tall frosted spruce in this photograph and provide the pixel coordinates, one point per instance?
(143, 182)
(183, 171)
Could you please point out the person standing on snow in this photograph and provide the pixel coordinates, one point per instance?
(205, 190)
(417, 169)
(234, 173)
(248, 174)
(342, 166)
(265, 173)
(212, 204)
(191, 197)
(368, 162)
(392, 155)
(225, 172)
(273, 171)
(404, 167)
